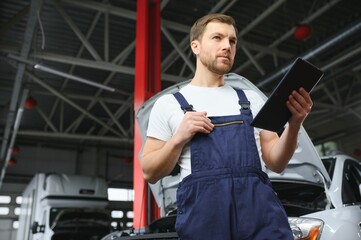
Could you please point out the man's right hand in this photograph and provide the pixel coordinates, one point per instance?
(192, 123)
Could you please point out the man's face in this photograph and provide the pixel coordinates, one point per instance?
(217, 47)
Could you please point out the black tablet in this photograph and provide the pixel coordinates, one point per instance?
(274, 114)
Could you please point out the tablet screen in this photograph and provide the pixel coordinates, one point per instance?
(274, 114)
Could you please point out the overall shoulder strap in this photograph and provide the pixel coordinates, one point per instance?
(243, 102)
(185, 106)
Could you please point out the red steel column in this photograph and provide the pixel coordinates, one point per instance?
(147, 83)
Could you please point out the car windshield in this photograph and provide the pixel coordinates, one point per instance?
(69, 217)
(79, 223)
(300, 198)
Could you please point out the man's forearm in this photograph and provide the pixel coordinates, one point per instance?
(284, 148)
(160, 162)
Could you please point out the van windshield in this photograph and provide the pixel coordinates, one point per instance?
(63, 219)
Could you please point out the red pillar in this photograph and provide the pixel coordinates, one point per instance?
(147, 83)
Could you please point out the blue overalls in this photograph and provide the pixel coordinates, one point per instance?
(227, 195)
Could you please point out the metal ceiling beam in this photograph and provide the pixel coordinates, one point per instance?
(121, 12)
(350, 106)
(330, 96)
(264, 49)
(342, 57)
(250, 26)
(111, 115)
(254, 62)
(112, 67)
(260, 18)
(77, 31)
(28, 37)
(333, 41)
(46, 119)
(173, 56)
(178, 49)
(289, 33)
(103, 7)
(122, 56)
(14, 20)
(71, 103)
(61, 116)
(72, 68)
(106, 36)
(117, 60)
(342, 113)
(92, 64)
(31, 133)
(108, 66)
(80, 97)
(61, 74)
(121, 110)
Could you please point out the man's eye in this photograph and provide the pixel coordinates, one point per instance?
(216, 37)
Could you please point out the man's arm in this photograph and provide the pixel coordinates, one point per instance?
(160, 157)
(277, 151)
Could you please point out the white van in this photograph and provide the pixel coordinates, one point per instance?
(61, 206)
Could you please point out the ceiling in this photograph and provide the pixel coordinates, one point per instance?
(94, 41)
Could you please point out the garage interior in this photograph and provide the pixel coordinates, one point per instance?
(67, 79)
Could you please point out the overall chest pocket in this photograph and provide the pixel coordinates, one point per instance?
(222, 148)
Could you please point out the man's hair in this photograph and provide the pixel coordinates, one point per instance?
(200, 25)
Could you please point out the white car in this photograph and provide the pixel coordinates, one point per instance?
(324, 210)
(318, 208)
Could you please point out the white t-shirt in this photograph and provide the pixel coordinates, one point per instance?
(167, 114)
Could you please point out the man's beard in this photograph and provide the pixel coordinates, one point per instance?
(215, 67)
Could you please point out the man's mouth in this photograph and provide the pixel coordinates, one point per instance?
(224, 57)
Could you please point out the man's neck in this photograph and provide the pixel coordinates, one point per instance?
(207, 79)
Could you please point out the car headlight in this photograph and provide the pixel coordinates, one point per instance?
(306, 228)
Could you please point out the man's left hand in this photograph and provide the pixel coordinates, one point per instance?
(300, 104)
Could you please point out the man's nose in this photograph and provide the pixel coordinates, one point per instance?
(226, 43)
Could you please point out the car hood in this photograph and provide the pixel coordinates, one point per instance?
(305, 164)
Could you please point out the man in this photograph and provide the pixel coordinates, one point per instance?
(223, 194)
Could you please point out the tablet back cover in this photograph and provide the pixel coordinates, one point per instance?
(274, 114)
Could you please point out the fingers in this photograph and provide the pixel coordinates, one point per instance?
(300, 101)
(192, 123)
(300, 104)
(306, 97)
(199, 122)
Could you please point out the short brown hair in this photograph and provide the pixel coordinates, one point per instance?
(200, 25)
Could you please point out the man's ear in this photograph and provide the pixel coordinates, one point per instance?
(195, 47)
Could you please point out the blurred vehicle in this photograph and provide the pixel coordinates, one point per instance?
(318, 208)
(322, 210)
(64, 207)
